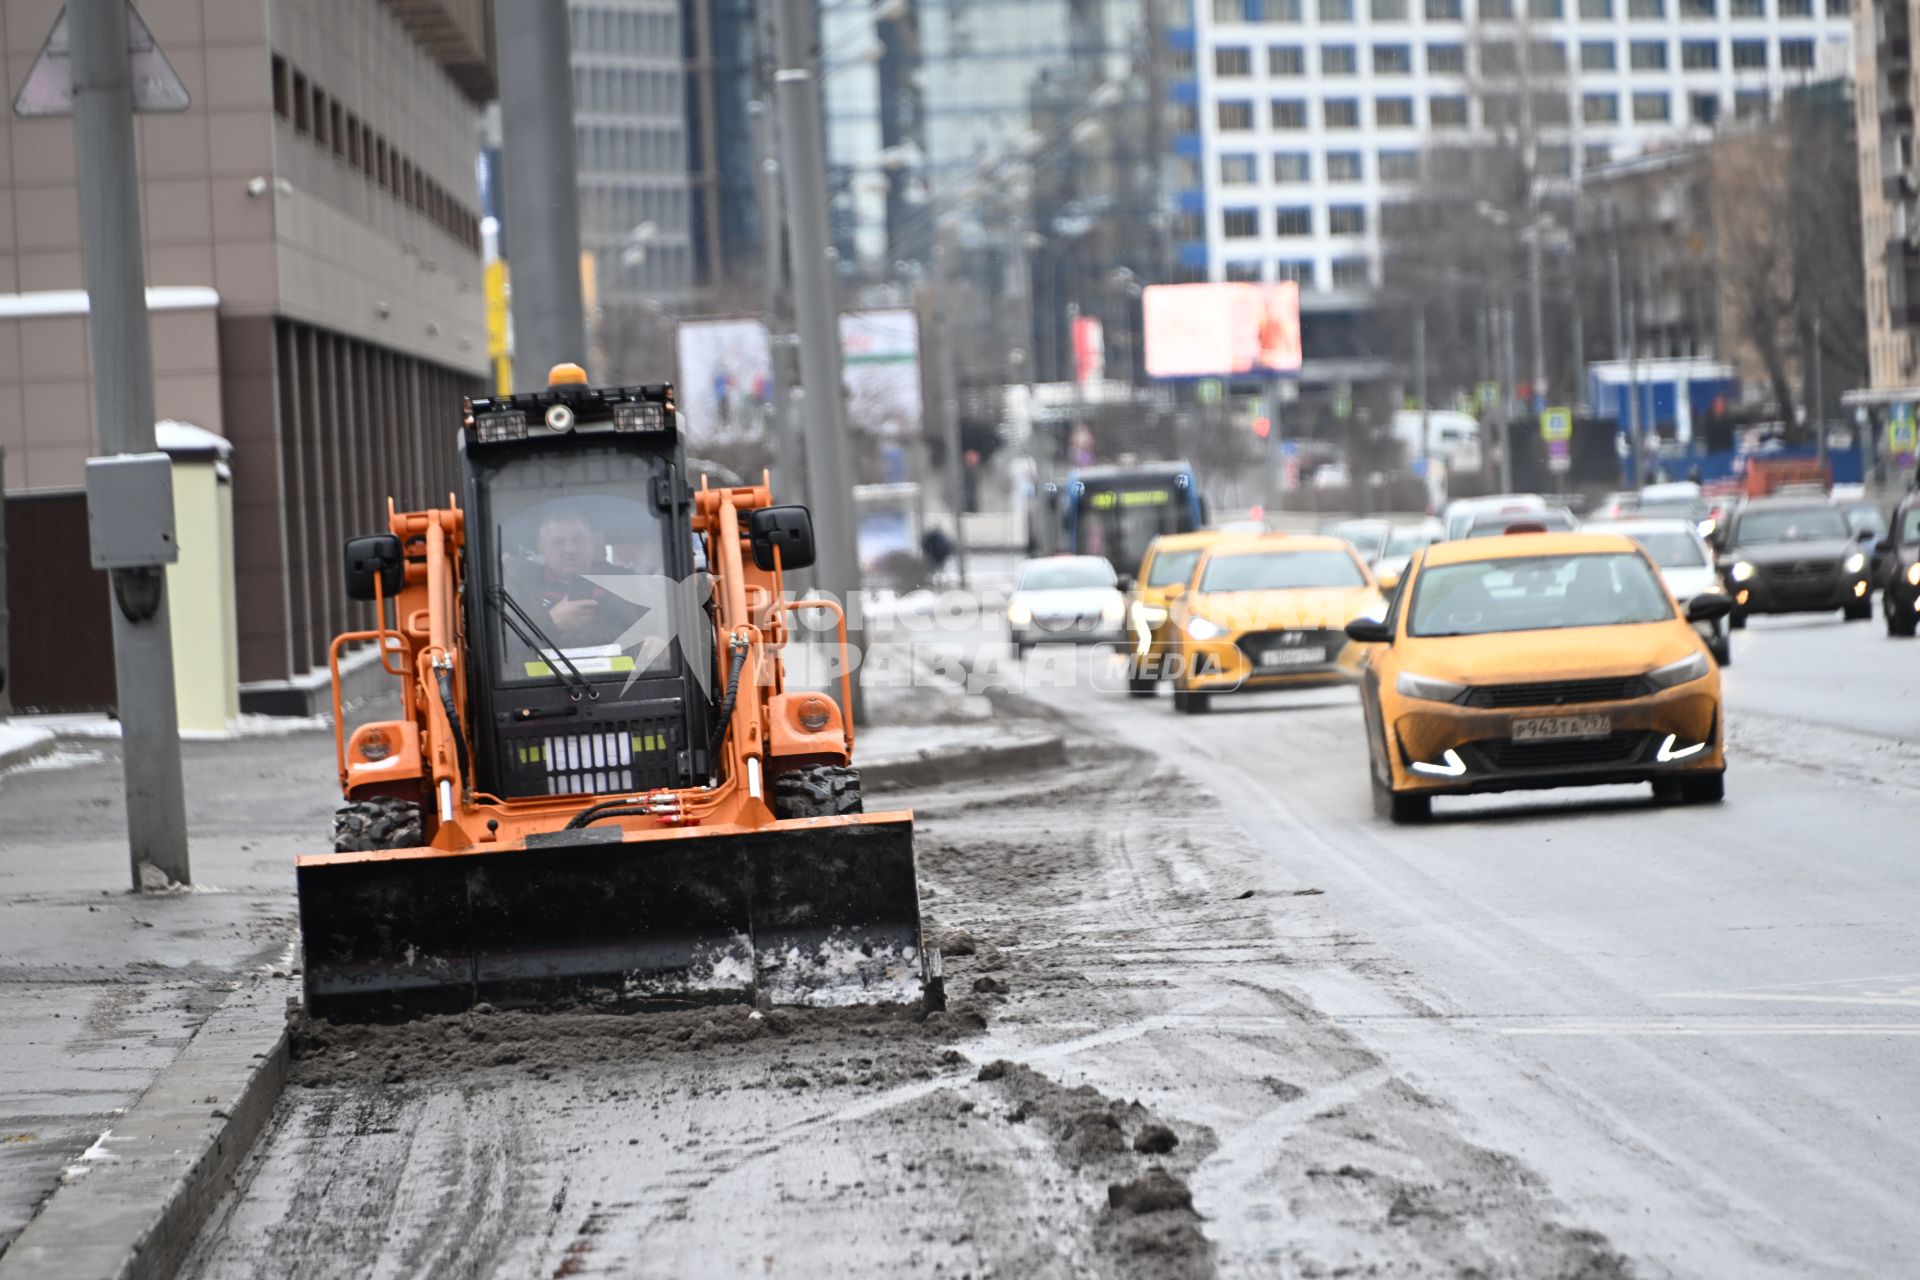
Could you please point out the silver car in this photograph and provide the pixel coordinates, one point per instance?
(1685, 562)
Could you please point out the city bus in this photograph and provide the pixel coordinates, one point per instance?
(1115, 511)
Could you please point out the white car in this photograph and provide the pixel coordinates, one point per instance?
(1462, 512)
(1071, 599)
(1402, 541)
(1686, 563)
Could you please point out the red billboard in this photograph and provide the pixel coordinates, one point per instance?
(1222, 330)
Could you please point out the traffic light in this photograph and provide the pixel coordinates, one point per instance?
(1263, 427)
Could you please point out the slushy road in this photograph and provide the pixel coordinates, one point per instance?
(1701, 1025)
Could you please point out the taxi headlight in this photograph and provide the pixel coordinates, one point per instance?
(1742, 571)
(1114, 612)
(1428, 688)
(1913, 573)
(1856, 562)
(1204, 629)
(1691, 667)
(1019, 614)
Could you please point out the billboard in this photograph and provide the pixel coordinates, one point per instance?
(726, 375)
(1222, 330)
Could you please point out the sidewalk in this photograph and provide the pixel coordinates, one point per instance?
(100, 989)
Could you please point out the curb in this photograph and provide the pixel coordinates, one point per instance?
(34, 744)
(146, 1186)
(940, 764)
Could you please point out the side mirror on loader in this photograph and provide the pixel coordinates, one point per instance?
(374, 558)
(788, 528)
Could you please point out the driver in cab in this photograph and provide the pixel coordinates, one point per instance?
(579, 611)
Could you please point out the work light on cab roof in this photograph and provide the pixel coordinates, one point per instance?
(570, 405)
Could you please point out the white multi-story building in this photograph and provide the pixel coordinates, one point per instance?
(1313, 113)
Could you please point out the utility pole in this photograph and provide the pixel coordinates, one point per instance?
(1536, 318)
(776, 304)
(949, 397)
(542, 192)
(1637, 467)
(123, 408)
(816, 312)
(1420, 389)
(1512, 379)
(1819, 396)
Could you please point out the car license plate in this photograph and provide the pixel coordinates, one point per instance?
(1293, 657)
(1560, 728)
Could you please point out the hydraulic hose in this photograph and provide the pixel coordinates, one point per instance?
(726, 704)
(445, 675)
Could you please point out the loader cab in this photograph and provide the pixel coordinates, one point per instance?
(589, 642)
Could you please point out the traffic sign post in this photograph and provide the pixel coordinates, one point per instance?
(1556, 428)
(48, 88)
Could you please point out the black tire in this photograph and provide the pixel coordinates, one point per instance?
(1142, 686)
(824, 791)
(366, 826)
(1722, 650)
(1192, 704)
(1398, 807)
(1708, 789)
(1736, 621)
(1857, 612)
(1901, 623)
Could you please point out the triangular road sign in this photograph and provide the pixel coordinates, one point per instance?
(48, 90)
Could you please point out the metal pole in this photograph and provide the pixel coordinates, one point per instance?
(1819, 396)
(542, 192)
(776, 301)
(123, 408)
(944, 379)
(1420, 389)
(817, 316)
(1536, 320)
(1637, 467)
(1506, 418)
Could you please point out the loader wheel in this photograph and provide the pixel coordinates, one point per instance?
(824, 791)
(381, 823)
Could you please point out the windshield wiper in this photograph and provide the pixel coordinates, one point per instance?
(562, 668)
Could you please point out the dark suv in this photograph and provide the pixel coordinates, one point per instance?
(1793, 555)
(1900, 589)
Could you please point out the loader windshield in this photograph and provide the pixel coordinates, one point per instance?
(582, 551)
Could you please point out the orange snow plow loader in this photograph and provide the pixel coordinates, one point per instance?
(598, 787)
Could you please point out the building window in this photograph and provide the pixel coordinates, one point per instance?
(1646, 8)
(1839, 8)
(1392, 60)
(1301, 273)
(1495, 10)
(1599, 108)
(1698, 9)
(1232, 63)
(1796, 55)
(1747, 8)
(1750, 55)
(1234, 117)
(1706, 109)
(1289, 113)
(1556, 160)
(1796, 8)
(1399, 166)
(1286, 60)
(1443, 10)
(1499, 58)
(1342, 113)
(1650, 108)
(1243, 272)
(1344, 166)
(1239, 171)
(1647, 55)
(1293, 220)
(282, 88)
(1595, 154)
(1447, 112)
(1699, 55)
(1544, 10)
(1389, 10)
(1188, 227)
(1229, 11)
(1547, 55)
(1279, 10)
(1336, 10)
(1292, 166)
(302, 108)
(1593, 10)
(1596, 55)
(1393, 113)
(1447, 59)
(1186, 118)
(1750, 104)
(1351, 273)
(1338, 60)
(1347, 220)
(1241, 224)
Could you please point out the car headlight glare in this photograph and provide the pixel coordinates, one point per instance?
(1913, 573)
(1856, 562)
(1742, 572)
(1019, 614)
(1691, 667)
(1428, 688)
(1204, 629)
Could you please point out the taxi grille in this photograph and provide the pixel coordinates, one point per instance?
(1558, 693)
(1616, 748)
(1257, 643)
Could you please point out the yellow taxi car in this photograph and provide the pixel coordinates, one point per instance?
(1166, 569)
(1538, 660)
(1266, 611)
